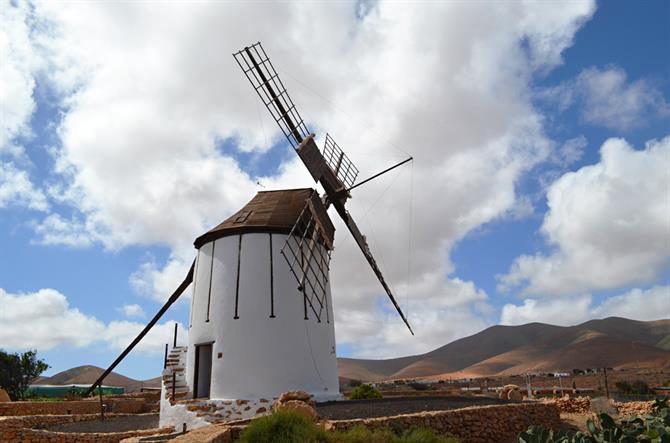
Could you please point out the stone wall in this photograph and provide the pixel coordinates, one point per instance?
(635, 408)
(26, 429)
(91, 406)
(476, 424)
(573, 405)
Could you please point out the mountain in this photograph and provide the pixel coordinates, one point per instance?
(86, 375)
(534, 347)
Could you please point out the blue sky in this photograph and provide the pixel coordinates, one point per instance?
(539, 190)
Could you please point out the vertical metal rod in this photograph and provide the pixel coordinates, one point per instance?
(102, 409)
(165, 358)
(211, 272)
(272, 283)
(237, 285)
(174, 384)
(174, 343)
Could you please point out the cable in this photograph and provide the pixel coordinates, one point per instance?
(409, 235)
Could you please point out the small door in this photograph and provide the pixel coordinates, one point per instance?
(203, 371)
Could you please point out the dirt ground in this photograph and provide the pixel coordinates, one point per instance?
(381, 407)
(117, 424)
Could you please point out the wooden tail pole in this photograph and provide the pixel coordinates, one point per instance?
(173, 298)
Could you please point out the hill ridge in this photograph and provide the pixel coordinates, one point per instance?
(504, 349)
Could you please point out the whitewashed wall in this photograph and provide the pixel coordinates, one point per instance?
(261, 356)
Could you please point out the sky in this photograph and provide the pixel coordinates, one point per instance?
(539, 189)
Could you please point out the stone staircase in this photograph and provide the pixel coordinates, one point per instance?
(175, 373)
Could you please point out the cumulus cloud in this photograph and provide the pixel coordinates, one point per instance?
(132, 311)
(156, 119)
(45, 320)
(607, 98)
(637, 304)
(608, 223)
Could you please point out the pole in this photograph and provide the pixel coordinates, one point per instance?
(174, 344)
(607, 388)
(165, 358)
(380, 173)
(102, 408)
(560, 384)
(174, 384)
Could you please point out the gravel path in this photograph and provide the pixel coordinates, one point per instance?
(381, 407)
(117, 424)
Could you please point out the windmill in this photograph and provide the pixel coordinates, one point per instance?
(261, 319)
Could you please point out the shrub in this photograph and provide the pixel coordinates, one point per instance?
(364, 391)
(419, 386)
(283, 427)
(353, 383)
(361, 434)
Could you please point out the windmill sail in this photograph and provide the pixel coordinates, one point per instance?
(307, 252)
(334, 170)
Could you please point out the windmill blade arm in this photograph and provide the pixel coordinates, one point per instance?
(173, 298)
(365, 249)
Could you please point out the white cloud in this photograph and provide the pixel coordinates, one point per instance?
(451, 82)
(571, 151)
(45, 320)
(19, 64)
(636, 304)
(606, 98)
(158, 283)
(16, 189)
(564, 311)
(609, 223)
(119, 334)
(132, 311)
(56, 230)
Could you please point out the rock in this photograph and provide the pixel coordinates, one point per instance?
(261, 410)
(4, 396)
(298, 406)
(515, 395)
(294, 395)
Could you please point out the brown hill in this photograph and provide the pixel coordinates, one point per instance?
(534, 347)
(88, 374)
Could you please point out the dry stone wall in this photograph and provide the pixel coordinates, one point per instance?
(27, 429)
(92, 406)
(573, 405)
(635, 408)
(477, 424)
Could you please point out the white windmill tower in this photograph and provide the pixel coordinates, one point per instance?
(261, 320)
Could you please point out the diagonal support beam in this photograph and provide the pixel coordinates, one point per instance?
(173, 298)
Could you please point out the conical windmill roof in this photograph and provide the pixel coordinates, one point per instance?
(268, 211)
